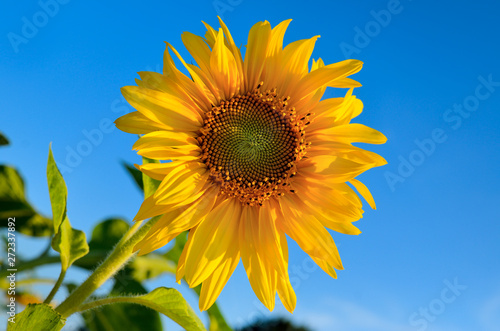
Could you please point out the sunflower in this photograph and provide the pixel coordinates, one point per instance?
(254, 154)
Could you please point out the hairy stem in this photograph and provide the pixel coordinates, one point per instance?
(120, 255)
(56, 287)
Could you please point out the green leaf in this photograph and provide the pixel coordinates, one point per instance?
(37, 317)
(107, 233)
(170, 302)
(150, 266)
(167, 301)
(13, 204)
(217, 321)
(12, 185)
(150, 184)
(175, 252)
(3, 140)
(135, 173)
(147, 184)
(57, 191)
(70, 243)
(123, 317)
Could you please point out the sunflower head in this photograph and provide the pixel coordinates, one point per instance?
(250, 151)
(250, 143)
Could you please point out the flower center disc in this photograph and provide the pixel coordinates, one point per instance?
(250, 143)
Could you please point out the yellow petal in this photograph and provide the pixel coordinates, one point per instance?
(328, 204)
(208, 83)
(258, 40)
(297, 54)
(235, 50)
(149, 208)
(294, 65)
(198, 49)
(181, 183)
(211, 240)
(213, 285)
(322, 146)
(332, 112)
(224, 68)
(260, 253)
(364, 191)
(276, 41)
(166, 145)
(196, 90)
(355, 132)
(344, 83)
(338, 169)
(198, 82)
(326, 75)
(163, 108)
(156, 81)
(151, 243)
(157, 171)
(185, 217)
(308, 232)
(137, 123)
(210, 35)
(166, 138)
(178, 220)
(325, 266)
(181, 264)
(285, 290)
(184, 153)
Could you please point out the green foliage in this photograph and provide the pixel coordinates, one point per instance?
(150, 266)
(70, 243)
(279, 324)
(123, 316)
(107, 233)
(135, 173)
(147, 184)
(35, 316)
(150, 184)
(3, 140)
(13, 203)
(217, 321)
(170, 302)
(57, 191)
(175, 252)
(109, 312)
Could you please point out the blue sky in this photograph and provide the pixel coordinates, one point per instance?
(428, 257)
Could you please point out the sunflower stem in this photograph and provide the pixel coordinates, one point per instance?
(56, 287)
(120, 255)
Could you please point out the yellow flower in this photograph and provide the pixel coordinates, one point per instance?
(256, 154)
